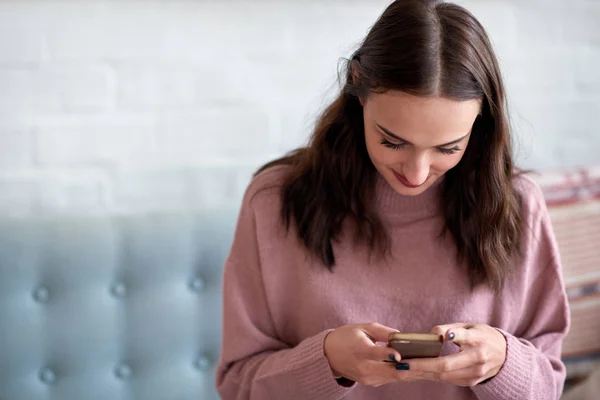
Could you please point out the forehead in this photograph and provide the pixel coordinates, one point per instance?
(422, 120)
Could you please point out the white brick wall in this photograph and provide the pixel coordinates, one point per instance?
(129, 106)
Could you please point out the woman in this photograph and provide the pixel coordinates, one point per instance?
(404, 213)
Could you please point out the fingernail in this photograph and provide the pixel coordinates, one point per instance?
(451, 336)
(392, 357)
(402, 367)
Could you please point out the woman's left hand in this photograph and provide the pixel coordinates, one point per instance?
(482, 354)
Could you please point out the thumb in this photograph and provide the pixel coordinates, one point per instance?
(378, 332)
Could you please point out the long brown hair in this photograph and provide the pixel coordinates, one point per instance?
(425, 48)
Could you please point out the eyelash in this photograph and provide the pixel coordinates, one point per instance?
(399, 146)
(449, 151)
(395, 146)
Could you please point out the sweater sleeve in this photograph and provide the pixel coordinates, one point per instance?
(533, 369)
(254, 363)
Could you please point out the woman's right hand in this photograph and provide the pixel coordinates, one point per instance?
(353, 354)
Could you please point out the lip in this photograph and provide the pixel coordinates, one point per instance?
(405, 182)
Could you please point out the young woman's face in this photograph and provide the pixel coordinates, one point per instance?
(412, 141)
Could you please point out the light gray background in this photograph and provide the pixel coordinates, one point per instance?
(118, 106)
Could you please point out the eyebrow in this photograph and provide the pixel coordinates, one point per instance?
(387, 132)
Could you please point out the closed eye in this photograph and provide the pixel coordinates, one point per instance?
(402, 143)
(452, 150)
(398, 146)
(388, 144)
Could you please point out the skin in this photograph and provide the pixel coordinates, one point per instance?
(416, 135)
(355, 352)
(430, 136)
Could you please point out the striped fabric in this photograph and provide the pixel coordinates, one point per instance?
(573, 199)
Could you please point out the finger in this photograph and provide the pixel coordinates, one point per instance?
(383, 353)
(452, 362)
(369, 374)
(463, 336)
(460, 334)
(444, 330)
(376, 373)
(377, 332)
(469, 376)
(389, 373)
(475, 373)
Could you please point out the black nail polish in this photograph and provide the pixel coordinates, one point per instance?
(451, 336)
(392, 358)
(402, 367)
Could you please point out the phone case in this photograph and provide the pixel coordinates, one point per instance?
(416, 345)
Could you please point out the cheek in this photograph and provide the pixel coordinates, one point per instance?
(384, 156)
(375, 149)
(379, 153)
(445, 162)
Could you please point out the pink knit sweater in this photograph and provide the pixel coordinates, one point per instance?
(279, 304)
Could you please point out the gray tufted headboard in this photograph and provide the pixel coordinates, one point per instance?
(112, 307)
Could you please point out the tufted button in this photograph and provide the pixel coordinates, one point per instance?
(123, 371)
(197, 284)
(47, 376)
(41, 294)
(202, 362)
(118, 289)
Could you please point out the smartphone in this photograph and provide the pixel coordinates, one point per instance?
(416, 345)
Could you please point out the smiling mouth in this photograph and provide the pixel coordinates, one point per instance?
(405, 181)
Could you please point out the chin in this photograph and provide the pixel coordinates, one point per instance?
(404, 190)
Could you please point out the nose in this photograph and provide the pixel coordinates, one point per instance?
(416, 170)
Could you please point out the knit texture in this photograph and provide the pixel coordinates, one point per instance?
(280, 302)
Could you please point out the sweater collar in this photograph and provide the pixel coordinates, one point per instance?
(390, 202)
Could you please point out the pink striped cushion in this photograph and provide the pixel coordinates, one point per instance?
(573, 199)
